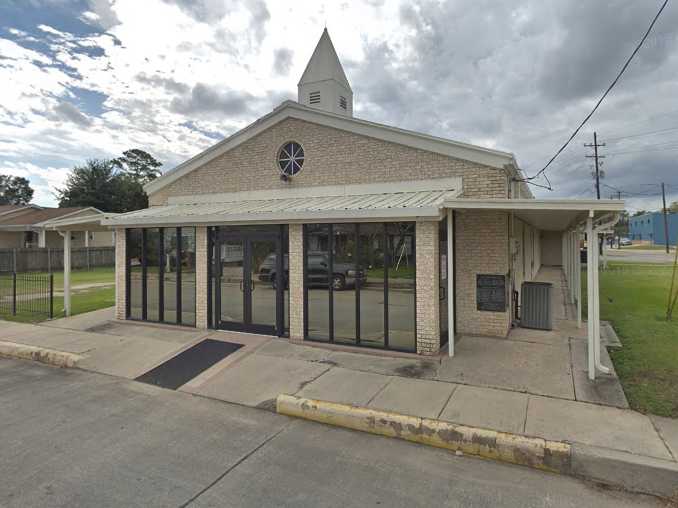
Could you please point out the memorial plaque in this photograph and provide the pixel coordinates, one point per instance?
(491, 292)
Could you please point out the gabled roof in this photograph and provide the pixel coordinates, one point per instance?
(324, 64)
(291, 109)
(31, 216)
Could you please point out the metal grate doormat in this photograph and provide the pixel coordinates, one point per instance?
(188, 364)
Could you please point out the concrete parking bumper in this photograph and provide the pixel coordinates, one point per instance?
(38, 354)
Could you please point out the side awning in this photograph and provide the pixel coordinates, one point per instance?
(545, 214)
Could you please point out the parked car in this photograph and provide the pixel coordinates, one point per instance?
(344, 274)
(625, 242)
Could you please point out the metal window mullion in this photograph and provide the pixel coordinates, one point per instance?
(387, 266)
(179, 249)
(161, 274)
(144, 284)
(210, 260)
(217, 277)
(304, 249)
(357, 283)
(128, 276)
(279, 284)
(330, 276)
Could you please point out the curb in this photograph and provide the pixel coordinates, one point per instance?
(526, 451)
(614, 468)
(38, 354)
(631, 472)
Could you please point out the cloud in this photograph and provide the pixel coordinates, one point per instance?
(168, 84)
(68, 112)
(172, 76)
(206, 100)
(282, 61)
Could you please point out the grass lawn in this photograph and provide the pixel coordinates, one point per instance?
(403, 272)
(81, 301)
(633, 298)
(93, 276)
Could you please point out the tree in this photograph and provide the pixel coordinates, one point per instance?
(140, 165)
(115, 185)
(639, 212)
(15, 190)
(96, 184)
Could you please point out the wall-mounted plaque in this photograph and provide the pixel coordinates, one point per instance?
(491, 292)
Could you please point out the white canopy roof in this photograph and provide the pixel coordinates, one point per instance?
(544, 214)
(368, 202)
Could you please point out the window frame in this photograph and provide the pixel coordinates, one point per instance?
(330, 270)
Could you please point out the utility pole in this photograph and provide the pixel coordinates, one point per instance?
(666, 218)
(597, 174)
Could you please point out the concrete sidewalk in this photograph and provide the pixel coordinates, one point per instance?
(531, 384)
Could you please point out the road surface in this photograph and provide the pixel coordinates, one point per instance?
(641, 256)
(74, 438)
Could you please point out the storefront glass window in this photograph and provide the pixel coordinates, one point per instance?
(360, 284)
(401, 286)
(134, 260)
(188, 287)
(317, 268)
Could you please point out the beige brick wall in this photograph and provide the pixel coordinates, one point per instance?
(120, 274)
(201, 277)
(481, 247)
(333, 157)
(296, 281)
(428, 288)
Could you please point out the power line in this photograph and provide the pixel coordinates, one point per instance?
(640, 134)
(641, 150)
(614, 82)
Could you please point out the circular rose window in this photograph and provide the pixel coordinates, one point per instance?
(290, 158)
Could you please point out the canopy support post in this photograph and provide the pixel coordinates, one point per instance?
(590, 248)
(451, 332)
(67, 272)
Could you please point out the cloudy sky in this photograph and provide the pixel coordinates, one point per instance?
(86, 79)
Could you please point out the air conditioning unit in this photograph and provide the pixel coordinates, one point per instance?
(535, 305)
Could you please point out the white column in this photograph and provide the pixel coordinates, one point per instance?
(596, 310)
(450, 284)
(42, 238)
(67, 272)
(590, 248)
(577, 277)
(86, 238)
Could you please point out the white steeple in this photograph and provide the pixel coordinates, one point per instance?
(323, 84)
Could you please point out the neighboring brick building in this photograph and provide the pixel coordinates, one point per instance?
(318, 226)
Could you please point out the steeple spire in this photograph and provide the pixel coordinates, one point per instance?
(323, 84)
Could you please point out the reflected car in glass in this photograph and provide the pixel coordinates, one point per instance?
(344, 274)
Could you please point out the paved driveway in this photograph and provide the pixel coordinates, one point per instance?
(74, 438)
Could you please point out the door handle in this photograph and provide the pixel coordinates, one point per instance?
(252, 286)
(242, 285)
(443, 293)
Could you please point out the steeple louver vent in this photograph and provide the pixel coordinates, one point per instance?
(323, 85)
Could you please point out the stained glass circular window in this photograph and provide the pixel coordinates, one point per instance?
(290, 158)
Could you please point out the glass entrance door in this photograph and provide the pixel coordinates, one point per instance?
(251, 282)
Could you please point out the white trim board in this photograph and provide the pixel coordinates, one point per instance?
(454, 183)
(290, 109)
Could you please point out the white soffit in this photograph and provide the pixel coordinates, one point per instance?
(544, 214)
(290, 109)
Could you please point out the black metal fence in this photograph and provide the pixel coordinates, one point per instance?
(29, 295)
(49, 260)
